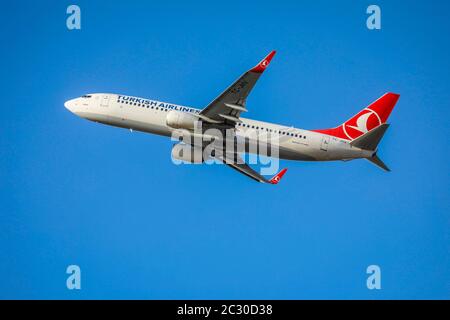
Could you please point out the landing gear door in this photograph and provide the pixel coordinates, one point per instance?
(104, 100)
(325, 143)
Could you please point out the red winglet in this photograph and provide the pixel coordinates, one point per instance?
(264, 63)
(276, 178)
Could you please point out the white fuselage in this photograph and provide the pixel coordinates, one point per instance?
(150, 116)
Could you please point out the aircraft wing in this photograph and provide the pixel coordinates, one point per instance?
(239, 165)
(227, 107)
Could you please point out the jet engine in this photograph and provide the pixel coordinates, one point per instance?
(187, 153)
(181, 120)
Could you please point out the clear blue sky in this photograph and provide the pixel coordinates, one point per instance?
(112, 202)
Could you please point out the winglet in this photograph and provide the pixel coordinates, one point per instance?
(276, 178)
(264, 63)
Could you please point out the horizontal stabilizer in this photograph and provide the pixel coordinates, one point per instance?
(371, 139)
(378, 162)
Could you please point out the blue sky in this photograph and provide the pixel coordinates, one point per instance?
(112, 202)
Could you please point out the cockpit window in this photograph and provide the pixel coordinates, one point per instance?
(86, 96)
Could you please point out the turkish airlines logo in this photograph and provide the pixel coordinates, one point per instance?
(362, 123)
(264, 64)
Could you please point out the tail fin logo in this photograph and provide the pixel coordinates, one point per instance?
(367, 119)
(363, 122)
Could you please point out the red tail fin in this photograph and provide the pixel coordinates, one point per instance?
(367, 119)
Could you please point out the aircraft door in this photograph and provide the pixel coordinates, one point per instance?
(104, 102)
(325, 143)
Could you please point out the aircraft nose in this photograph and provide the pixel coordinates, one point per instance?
(70, 104)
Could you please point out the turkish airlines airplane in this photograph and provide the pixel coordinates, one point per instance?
(356, 138)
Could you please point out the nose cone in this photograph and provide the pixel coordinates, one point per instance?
(70, 104)
(81, 106)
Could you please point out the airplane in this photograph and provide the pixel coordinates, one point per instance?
(355, 138)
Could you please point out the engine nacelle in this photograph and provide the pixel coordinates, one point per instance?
(181, 120)
(187, 153)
